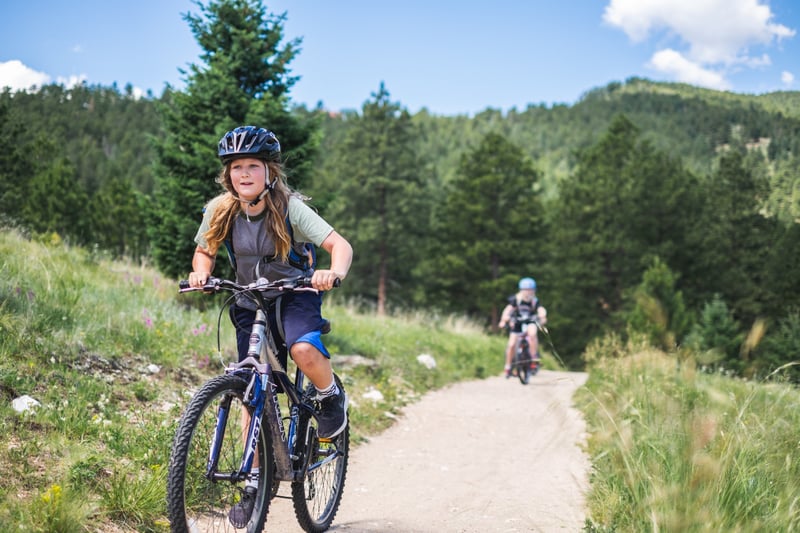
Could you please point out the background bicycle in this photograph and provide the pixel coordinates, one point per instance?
(522, 364)
(525, 364)
(235, 421)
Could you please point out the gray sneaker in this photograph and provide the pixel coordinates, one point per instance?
(332, 417)
(240, 513)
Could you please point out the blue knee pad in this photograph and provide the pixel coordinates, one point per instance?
(314, 338)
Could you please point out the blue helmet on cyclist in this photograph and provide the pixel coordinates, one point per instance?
(249, 141)
(527, 284)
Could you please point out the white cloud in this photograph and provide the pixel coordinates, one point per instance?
(682, 69)
(717, 33)
(18, 77)
(72, 81)
(787, 78)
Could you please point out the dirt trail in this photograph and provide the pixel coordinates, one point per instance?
(481, 456)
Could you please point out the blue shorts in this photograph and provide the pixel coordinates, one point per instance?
(302, 322)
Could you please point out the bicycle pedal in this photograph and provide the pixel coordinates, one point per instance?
(327, 440)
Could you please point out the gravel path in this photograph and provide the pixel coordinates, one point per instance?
(481, 456)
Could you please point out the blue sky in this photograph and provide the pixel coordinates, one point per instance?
(447, 56)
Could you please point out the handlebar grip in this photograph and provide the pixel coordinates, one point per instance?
(210, 285)
(306, 282)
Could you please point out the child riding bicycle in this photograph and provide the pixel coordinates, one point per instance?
(521, 315)
(266, 228)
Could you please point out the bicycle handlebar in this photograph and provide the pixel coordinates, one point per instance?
(524, 322)
(533, 320)
(261, 284)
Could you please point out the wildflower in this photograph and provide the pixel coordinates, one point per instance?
(53, 495)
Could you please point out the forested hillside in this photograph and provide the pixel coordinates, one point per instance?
(650, 207)
(78, 162)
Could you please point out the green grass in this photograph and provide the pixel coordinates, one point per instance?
(80, 334)
(678, 450)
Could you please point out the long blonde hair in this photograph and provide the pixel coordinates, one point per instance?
(229, 207)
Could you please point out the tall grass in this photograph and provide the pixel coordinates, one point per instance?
(674, 449)
(113, 353)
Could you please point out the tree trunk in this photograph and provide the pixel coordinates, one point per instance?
(382, 275)
(494, 315)
(383, 259)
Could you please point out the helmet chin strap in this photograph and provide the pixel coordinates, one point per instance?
(260, 197)
(267, 188)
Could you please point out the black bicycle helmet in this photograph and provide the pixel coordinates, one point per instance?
(249, 141)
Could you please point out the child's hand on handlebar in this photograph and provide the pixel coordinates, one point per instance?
(198, 279)
(325, 280)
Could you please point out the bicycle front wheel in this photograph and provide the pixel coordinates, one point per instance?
(316, 498)
(203, 500)
(523, 363)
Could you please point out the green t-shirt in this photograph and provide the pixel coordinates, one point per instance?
(307, 225)
(254, 248)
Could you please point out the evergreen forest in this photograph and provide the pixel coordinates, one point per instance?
(647, 208)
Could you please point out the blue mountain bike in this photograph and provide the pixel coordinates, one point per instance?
(235, 421)
(524, 364)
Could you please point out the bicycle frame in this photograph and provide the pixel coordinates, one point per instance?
(263, 389)
(523, 341)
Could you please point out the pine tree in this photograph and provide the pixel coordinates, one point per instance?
(659, 309)
(116, 219)
(244, 80)
(718, 334)
(12, 163)
(735, 239)
(57, 202)
(625, 202)
(488, 229)
(782, 272)
(380, 205)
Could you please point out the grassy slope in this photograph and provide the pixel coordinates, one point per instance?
(786, 102)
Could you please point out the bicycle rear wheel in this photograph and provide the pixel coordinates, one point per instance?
(197, 503)
(316, 498)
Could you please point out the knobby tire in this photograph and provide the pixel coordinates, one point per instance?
(317, 497)
(523, 363)
(194, 502)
